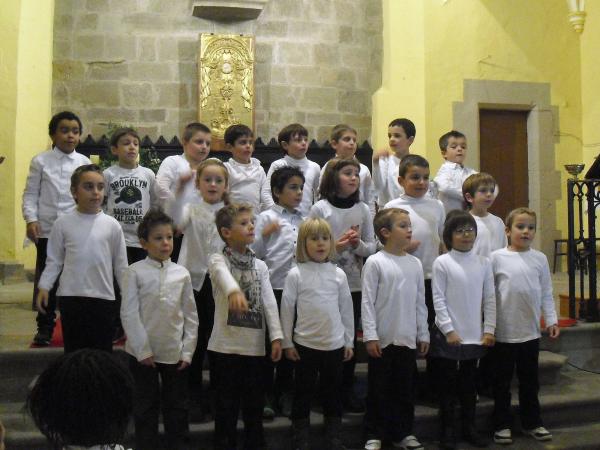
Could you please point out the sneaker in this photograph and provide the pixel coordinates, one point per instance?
(373, 444)
(503, 436)
(285, 404)
(540, 434)
(268, 413)
(409, 443)
(43, 337)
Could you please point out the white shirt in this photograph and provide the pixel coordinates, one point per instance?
(89, 249)
(340, 220)
(246, 183)
(385, 179)
(235, 339)
(523, 291)
(427, 220)
(130, 194)
(449, 181)
(317, 296)
(158, 312)
(167, 178)
(463, 290)
(311, 172)
(393, 300)
(47, 193)
(278, 250)
(490, 235)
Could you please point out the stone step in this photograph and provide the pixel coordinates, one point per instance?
(581, 336)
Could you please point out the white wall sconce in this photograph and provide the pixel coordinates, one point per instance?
(577, 14)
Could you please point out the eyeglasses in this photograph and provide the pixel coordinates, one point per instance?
(464, 231)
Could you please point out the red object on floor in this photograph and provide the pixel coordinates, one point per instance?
(563, 322)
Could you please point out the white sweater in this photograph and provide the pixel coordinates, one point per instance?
(490, 235)
(246, 183)
(317, 296)
(167, 179)
(159, 312)
(523, 291)
(463, 289)
(393, 300)
(385, 179)
(449, 181)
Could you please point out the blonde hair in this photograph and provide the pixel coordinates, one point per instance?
(227, 214)
(510, 218)
(309, 228)
(218, 163)
(385, 219)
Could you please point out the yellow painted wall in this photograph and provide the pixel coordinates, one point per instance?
(590, 83)
(26, 39)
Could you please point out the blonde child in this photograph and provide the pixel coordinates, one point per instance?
(86, 248)
(463, 292)
(523, 292)
(352, 229)
(318, 328)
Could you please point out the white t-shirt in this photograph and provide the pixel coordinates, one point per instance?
(490, 235)
(385, 179)
(167, 178)
(449, 181)
(246, 183)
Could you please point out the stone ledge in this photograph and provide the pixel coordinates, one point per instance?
(228, 10)
(11, 272)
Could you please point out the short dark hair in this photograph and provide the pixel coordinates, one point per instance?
(191, 129)
(120, 132)
(385, 219)
(281, 176)
(234, 132)
(63, 115)
(153, 218)
(227, 214)
(77, 173)
(474, 182)
(290, 132)
(406, 125)
(84, 398)
(455, 219)
(330, 182)
(409, 161)
(446, 136)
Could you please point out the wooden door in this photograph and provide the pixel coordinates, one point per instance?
(503, 154)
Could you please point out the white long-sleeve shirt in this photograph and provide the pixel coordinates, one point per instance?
(393, 300)
(89, 249)
(463, 289)
(311, 172)
(523, 292)
(167, 178)
(246, 183)
(427, 221)
(47, 193)
(385, 179)
(158, 312)
(239, 340)
(341, 220)
(278, 250)
(449, 181)
(491, 235)
(317, 296)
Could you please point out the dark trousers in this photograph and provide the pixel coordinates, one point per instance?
(205, 305)
(134, 254)
(87, 323)
(350, 365)
(390, 400)
(44, 321)
(177, 240)
(524, 357)
(238, 380)
(278, 377)
(169, 395)
(455, 380)
(327, 365)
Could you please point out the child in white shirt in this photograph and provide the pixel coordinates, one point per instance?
(87, 249)
(244, 308)
(523, 292)
(160, 320)
(394, 318)
(318, 329)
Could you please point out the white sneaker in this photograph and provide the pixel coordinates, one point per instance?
(540, 434)
(503, 436)
(409, 443)
(373, 444)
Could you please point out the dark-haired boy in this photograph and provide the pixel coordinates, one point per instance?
(47, 196)
(293, 140)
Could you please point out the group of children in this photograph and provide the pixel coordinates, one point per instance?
(274, 264)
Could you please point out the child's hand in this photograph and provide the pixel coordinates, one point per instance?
(383, 153)
(348, 353)
(183, 180)
(488, 340)
(237, 302)
(276, 350)
(354, 235)
(33, 231)
(414, 244)
(182, 365)
(553, 331)
(342, 243)
(292, 354)
(374, 349)
(149, 362)
(453, 338)
(423, 348)
(270, 228)
(41, 301)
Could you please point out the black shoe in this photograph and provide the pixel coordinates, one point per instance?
(43, 337)
(119, 335)
(447, 438)
(285, 404)
(351, 403)
(472, 436)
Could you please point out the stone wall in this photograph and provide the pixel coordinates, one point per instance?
(134, 61)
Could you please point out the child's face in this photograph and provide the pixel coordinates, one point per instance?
(318, 247)
(89, 193)
(398, 141)
(456, 150)
(345, 146)
(297, 147)
(400, 234)
(291, 194)
(416, 181)
(127, 150)
(242, 149)
(348, 181)
(67, 134)
(463, 238)
(521, 233)
(241, 233)
(160, 242)
(483, 199)
(197, 148)
(212, 184)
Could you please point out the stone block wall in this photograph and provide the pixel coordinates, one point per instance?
(134, 61)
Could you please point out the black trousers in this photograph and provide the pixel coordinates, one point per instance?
(238, 381)
(504, 359)
(455, 380)
(177, 240)
(278, 377)
(350, 365)
(44, 321)
(327, 365)
(390, 400)
(205, 305)
(87, 323)
(169, 395)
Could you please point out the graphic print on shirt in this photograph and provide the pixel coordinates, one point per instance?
(254, 316)
(128, 206)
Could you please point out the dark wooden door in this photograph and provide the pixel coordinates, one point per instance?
(503, 154)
